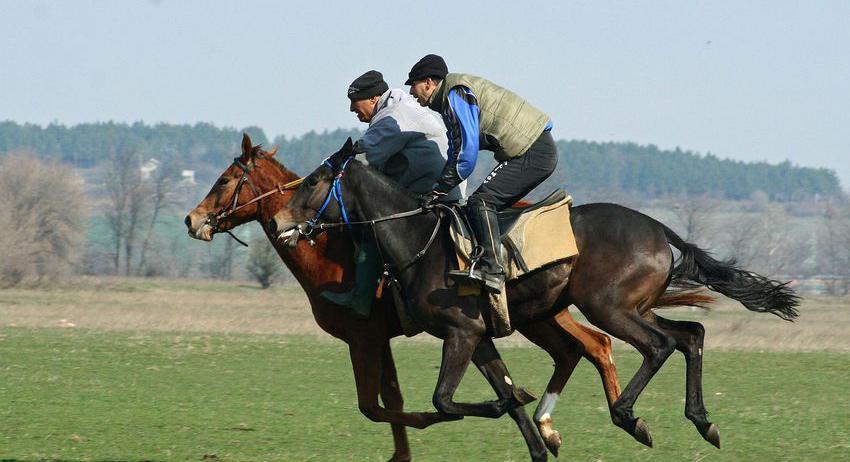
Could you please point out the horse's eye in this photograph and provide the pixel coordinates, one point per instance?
(223, 181)
(312, 181)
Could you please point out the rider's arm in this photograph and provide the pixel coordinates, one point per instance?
(382, 140)
(461, 120)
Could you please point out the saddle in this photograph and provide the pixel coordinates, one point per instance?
(533, 237)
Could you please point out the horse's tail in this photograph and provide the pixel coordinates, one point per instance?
(754, 291)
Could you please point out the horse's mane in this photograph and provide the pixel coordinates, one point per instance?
(283, 169)
(382, 180)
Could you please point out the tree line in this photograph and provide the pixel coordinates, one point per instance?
(587, 169)
(106, 218)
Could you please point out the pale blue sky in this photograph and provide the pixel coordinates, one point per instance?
(746, 80)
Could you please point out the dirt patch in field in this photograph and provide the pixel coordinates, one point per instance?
(209, 306)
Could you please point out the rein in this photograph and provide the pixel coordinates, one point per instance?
(234, 206)
(335, 193)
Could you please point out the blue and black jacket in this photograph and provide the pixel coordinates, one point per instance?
(464, 136)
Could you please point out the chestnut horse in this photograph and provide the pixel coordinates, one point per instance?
(329, 266)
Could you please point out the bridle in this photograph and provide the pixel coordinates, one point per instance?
(213, 220)
(307, 228)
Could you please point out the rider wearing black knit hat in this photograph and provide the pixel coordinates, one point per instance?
(482, 115)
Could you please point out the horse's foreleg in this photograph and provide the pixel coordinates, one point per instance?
(458, 348)
(596, 348)
(566, 353)
(366, 361)
(490, 364)
(393, 401)
(689, 340)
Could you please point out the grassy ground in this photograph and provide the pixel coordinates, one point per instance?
(113, 370)
(124, 396)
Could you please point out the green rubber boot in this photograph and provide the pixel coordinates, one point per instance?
(367, 272)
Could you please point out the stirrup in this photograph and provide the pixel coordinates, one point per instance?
(494, 282)
(462, 276)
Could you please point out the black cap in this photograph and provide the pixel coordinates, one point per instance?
(367, 85)
(429, 66)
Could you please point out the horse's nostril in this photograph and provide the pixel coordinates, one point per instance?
(272, 227)
(188, 222)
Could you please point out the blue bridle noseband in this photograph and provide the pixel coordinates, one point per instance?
(335, 192)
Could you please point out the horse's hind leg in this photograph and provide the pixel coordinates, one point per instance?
(689, 340)
(493, 368)
(393, 400)
(567, 341)
(655, 346)
(458, 348)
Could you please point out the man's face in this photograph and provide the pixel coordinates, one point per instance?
(364, 108)
(422, 90)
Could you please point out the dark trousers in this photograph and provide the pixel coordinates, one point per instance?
(511, 180)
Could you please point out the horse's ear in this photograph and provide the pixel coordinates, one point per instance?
(348, 149)
(247, 147)
(272, 152)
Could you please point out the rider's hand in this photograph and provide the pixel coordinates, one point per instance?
(427, 200)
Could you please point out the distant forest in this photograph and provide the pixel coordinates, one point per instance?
(588, 168)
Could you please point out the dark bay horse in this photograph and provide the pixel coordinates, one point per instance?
(328, 266)
(625, 265)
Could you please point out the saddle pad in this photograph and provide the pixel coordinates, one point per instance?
(539, 237)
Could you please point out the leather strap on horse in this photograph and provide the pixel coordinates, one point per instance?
(213, 221)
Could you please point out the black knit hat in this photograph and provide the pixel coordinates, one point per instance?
(429, 66)
(367, 85)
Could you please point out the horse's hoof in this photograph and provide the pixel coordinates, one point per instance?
(712, 435)
(523, 396)
(553, 442)
(641, 432)
(400, 458)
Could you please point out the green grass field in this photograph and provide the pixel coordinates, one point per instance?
(78, 394)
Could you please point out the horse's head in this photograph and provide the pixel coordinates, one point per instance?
(224, 207)
(312, 202)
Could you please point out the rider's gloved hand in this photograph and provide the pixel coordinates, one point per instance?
(427, 200)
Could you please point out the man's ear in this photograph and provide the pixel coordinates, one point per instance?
(247, 148)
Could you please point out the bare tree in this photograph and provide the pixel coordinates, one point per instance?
(767, 242)
(834, 248)
(161, 197)
(122, 180)
(42, 215)
(694, 214)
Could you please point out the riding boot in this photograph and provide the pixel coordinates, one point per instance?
(366, 273)
(487, 269)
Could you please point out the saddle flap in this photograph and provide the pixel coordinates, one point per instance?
(532, 236)
(509, 217)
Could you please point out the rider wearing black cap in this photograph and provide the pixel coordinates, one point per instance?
(404, 141)
(482, 115)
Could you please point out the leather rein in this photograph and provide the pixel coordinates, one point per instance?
(307, 229)
(234, 206)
